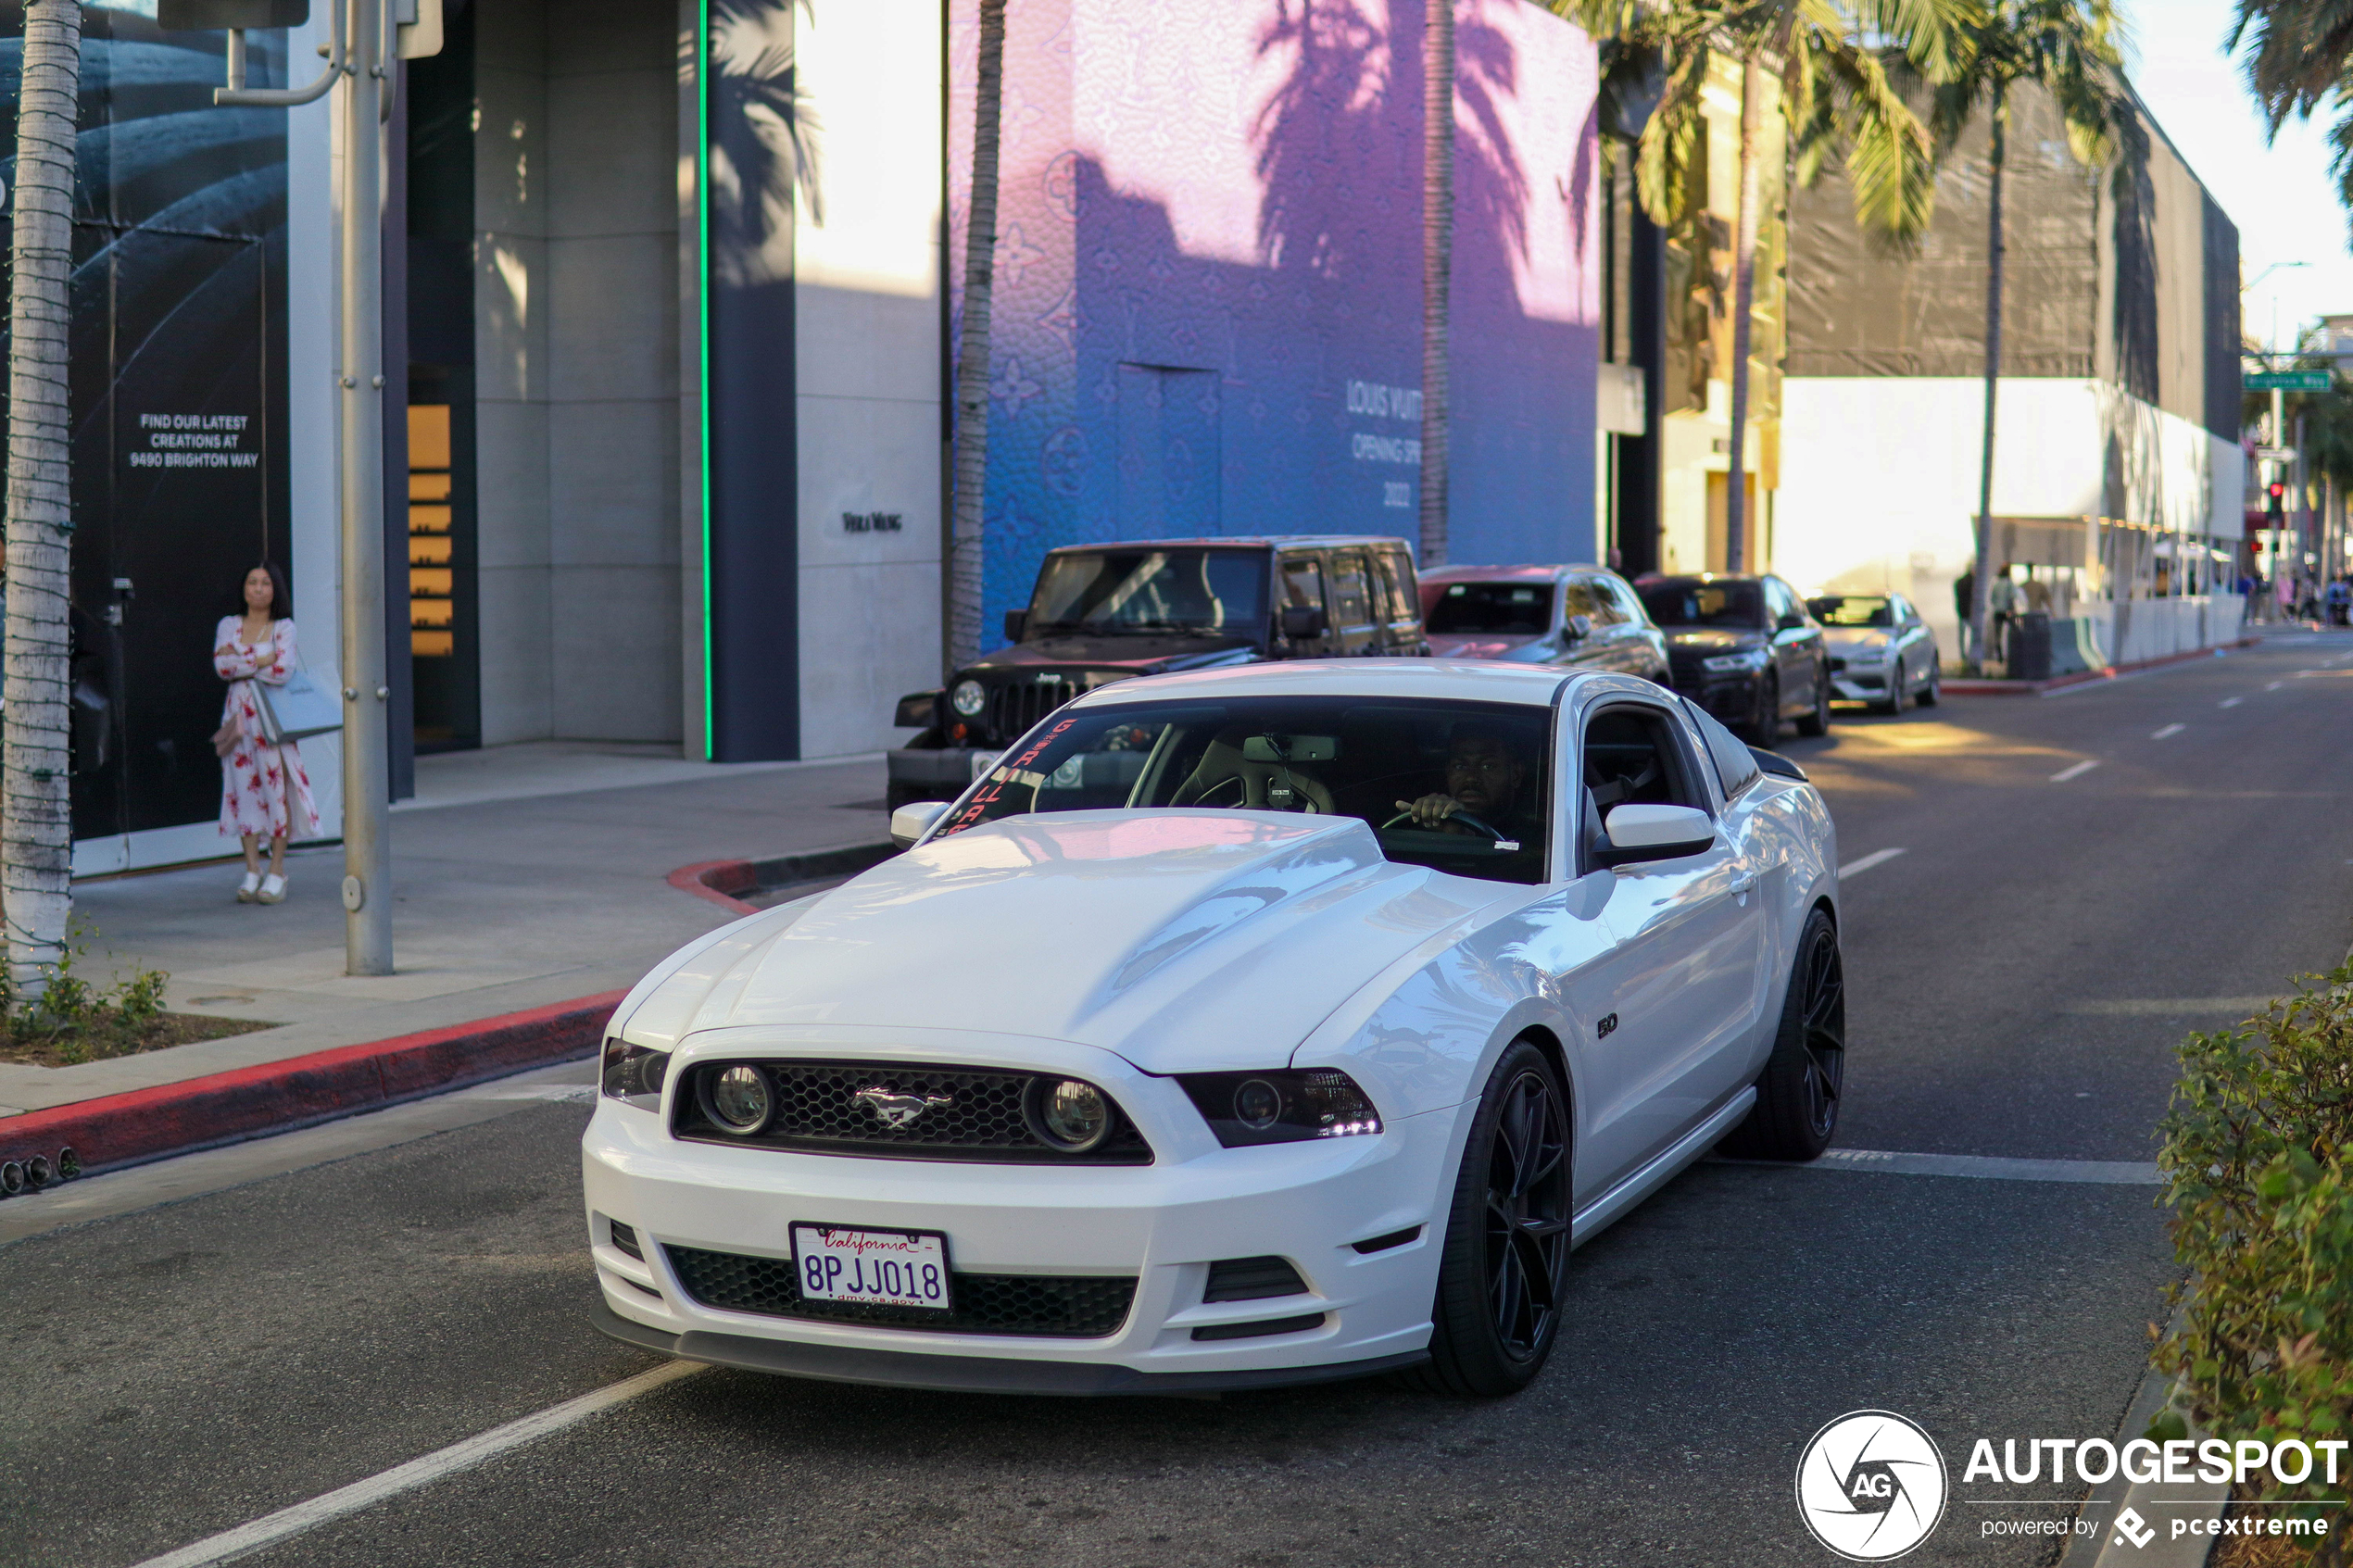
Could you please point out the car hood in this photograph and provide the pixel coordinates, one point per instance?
(1184, 940)
(1711, 639)
(1489, 645)
(1114, 658)
(1854, 639)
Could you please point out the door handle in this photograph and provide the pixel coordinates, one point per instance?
(1743, 881)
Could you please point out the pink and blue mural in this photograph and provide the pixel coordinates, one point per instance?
(1208, 293)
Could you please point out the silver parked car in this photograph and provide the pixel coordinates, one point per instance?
(1881, 652)
(1585, 617)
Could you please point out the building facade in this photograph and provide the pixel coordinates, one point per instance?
(669, 327)
(2117, 464)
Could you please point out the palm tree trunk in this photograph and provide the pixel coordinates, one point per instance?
(1980, 596)
(1438, 260)
(972, 351)
(37, 816)
(1743, 304)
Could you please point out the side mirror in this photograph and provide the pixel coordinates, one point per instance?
(913, 820)
(1656, 833)
(1016, 625)
(1790, 622)
(1303, 622)
(1579, 628)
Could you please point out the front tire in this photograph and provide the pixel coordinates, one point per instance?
(1797, 1098)
(1505, 1264)
(1818, 722)
(1763, 724)
(1928, 692)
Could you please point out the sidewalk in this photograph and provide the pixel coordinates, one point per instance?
(522, 876)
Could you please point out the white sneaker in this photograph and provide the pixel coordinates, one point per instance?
(247, 889)
(273, 890)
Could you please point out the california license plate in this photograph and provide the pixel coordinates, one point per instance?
(874, 1268)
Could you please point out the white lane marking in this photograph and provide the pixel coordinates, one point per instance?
(2112, 1172)
(2233, 701)
(1876, 858)
(2170, 1007)
(271, 1529)
(2168, 729)
(2275, 685)
(2077, 772)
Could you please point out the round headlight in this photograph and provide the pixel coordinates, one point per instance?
(739, 1101)
(1072, 1116)
(968, 700)
(1257, 1104)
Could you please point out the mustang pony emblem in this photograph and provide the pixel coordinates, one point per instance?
(896, 1110)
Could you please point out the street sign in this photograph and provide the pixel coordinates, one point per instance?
(2276, 454)
(2286, 380)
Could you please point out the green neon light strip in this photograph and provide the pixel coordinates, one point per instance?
(703, 305)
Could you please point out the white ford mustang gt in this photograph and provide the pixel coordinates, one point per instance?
(1245, 1027)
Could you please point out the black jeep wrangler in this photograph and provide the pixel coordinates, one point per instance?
(1106, 612)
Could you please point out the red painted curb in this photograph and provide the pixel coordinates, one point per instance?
(717, 881)
(276, 1096)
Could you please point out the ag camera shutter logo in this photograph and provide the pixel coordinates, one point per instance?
(1871, 1485)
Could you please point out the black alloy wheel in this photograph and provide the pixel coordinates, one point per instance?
(1818, 722)
(1505, 1264)
(1797, 1097)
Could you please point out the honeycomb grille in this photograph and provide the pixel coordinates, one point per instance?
(978, 1115)
(1034, 1306)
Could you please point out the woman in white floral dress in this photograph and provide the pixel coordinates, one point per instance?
(264, 791)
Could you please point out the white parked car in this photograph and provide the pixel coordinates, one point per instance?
(1245, 1027)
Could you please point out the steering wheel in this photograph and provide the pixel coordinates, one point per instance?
(1451, 817)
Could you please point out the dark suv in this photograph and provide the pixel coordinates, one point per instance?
(1106, 612)
(1745, 649)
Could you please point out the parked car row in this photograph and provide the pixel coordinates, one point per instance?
(1745, 648)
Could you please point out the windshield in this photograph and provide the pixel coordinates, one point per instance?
(1852, 609)
(1688, 601)
(1118, 591)
(1511, 609)
(1458, 787)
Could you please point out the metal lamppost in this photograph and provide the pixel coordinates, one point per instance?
(365, 37)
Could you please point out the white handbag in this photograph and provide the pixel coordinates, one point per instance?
(297, 710)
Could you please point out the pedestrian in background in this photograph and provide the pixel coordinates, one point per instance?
(1965, 601)
(2001, 604)
(264, 791)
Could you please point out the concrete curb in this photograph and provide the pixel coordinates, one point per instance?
(113, 1131)
(1963, 686)
(724, 881)
(2156, 1504)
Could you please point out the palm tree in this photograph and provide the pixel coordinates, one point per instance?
(36, 819)
(1438, 257)
(2068, 47)
(1836, 96)
(2302, 56)
(972, 351)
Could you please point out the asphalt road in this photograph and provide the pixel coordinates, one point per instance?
(2017, 976)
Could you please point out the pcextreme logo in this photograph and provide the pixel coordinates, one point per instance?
(1870, 1486)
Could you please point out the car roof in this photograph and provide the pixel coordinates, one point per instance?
(1233, 541)
(1651, 577)
(1458, 680)
(1504, 574)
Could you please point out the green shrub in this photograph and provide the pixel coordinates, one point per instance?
(2254, 1159)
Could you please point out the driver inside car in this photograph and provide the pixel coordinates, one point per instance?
(1483, 779)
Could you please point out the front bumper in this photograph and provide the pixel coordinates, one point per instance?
(1160, 1225)
(1864, 685)
(1729, 697)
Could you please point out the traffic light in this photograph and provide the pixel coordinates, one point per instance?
(2276, 505)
